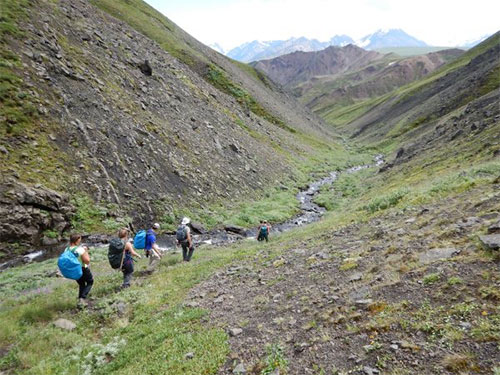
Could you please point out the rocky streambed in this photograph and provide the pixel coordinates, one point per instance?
(309, 212)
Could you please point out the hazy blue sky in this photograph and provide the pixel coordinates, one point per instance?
(233, 22)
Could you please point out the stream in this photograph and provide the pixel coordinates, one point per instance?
(310, 212)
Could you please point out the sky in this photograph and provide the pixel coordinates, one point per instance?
(233, 22)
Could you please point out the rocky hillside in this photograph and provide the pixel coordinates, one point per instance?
(373, 80)
(297, 67)
(456, 105)
(133, 114)
(336, 77)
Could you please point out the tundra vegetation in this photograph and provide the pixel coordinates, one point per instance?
(394, 279)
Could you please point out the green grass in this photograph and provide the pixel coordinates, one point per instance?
(153, 336)
(220, 80)
(90, 217)
(18, 109)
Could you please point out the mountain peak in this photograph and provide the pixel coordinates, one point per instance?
(256, 50)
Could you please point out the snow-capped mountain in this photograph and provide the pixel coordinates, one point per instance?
(340, 41)
(257, 50)
(389, 38)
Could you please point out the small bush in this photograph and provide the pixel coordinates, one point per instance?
(431, 278)
(458, 362)
(454, 280)
(275, 359)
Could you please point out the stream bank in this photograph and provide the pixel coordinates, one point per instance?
(310, 212)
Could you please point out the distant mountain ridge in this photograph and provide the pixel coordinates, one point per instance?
(258, 50)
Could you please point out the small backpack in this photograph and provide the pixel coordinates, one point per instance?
(181, 234)
(263, 230)
(140, 239)
(116, 253)
(69, 265)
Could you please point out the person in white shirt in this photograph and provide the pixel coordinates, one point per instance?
(87, 280)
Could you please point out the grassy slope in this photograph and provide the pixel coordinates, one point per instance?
(340, 115)
(155, 331)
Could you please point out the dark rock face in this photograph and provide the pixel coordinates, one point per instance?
(146, 68)
(235, 229)
(26, 212)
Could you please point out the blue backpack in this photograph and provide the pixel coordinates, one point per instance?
(140, 239)
(69, 265)
(263, 230)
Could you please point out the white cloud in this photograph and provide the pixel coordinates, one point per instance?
(436, 22)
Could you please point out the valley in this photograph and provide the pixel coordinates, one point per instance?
(114, 116)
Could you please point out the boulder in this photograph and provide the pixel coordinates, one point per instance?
(197, 228)
(494, 228)
(66, 324)
(240, 369)
(492, 241)
(235, 332)
(146, 68)
(235, 229)
(437, 254)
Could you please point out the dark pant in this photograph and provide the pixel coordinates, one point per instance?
(187, 252)
(85, 283)
(263, 237)
(128, 270)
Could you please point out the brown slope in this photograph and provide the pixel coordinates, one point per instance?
(291, 69)
(373, 80)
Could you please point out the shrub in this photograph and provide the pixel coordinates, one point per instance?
(386, 201)
(431, 278)
(275, 359)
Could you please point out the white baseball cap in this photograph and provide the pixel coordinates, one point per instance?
(185, 221)
(156, 226)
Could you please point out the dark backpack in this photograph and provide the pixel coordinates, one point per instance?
(115, 253)
(263, 230)
(181, 233)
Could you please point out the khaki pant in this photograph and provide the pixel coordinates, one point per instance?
(154, 260)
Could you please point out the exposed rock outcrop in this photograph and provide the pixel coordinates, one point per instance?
(26, 212)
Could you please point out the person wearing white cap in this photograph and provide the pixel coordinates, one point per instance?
(152, 249)
(183, 236)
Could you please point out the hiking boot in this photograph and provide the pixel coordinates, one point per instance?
(82, 302)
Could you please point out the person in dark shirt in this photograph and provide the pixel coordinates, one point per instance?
(128, 263)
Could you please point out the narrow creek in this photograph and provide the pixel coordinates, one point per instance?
(310, 212)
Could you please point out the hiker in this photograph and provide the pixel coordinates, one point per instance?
(86, 281)
(128, 262)
(183, 236)
(152, 249)
(263, 231)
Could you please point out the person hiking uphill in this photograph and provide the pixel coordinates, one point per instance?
(183, 236)
(128, 253)
(86, 281)
(152, 249)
